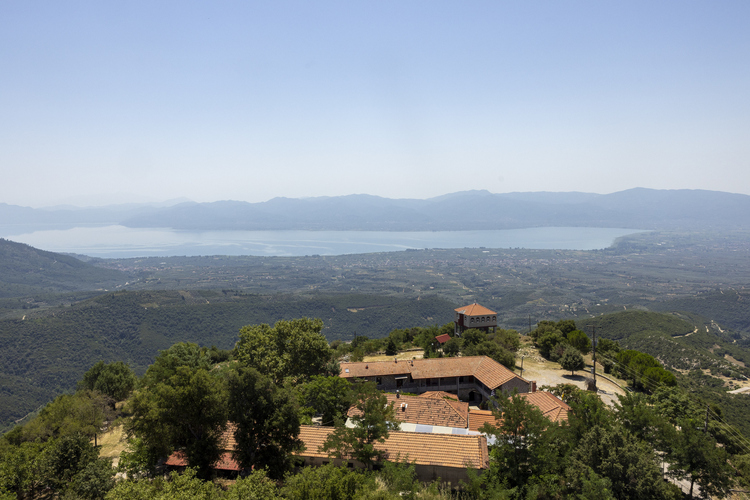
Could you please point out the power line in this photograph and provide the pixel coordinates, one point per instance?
(739, 439)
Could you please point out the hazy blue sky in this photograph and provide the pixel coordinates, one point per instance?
(107, 101)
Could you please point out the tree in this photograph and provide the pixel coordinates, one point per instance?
(390, 348)
(70, 414)
(329, 396)
(22, 467)
(580, 341)
(629, 464)
(293, 348)
(65, 458)
(638, 417)
(508, 339)
(572, 360)
(493, 350)
(696, 456)
(473, 336)
(566, 326)
(94, 480)
(266, 419)
(373, 419)
(255, 486)
(452, 347)
(329, 482)
(547, 341)
(187, 412)
(521, 427)
(116, 380)
(182, 354)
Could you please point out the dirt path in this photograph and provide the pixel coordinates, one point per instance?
(552, 374)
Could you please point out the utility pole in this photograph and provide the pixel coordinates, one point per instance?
(529, 324)
(593, 369)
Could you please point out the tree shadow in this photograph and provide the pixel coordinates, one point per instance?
(577, 378)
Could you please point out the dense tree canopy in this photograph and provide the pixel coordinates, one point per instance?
(190, 393)
(266, 419)
(293, 349)
(186, 412)
(116, 379)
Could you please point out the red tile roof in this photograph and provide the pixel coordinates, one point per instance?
(448, 450)
(550, 405)
(443, 338)
(485, 369)
(427, 411)
(439, 395)
(477, 418)
(225, 462)
(474, 310)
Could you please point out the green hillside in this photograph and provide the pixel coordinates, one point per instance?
(693, 348)
(25, 270)
(46, 353)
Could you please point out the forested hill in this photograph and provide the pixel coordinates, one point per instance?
(707, 361)
(47, 352)
(469, 210)
(25, 270)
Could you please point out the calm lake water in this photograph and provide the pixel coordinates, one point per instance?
(120, 241)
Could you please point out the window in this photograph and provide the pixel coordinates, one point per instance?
(379, 380)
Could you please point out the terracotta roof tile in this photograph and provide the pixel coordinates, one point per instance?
(443, 338)
(474, 310)
(439, 395)
(477, 418)
(427, 411)
(485, 369)
(424, 449)
(227, 439)
(550, 405)
(225, 462)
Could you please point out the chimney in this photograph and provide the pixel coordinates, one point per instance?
(533, 386)
(366, 367)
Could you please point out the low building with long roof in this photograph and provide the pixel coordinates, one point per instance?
(434, 456)
(471, 378)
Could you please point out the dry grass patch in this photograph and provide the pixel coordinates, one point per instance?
(112, 443)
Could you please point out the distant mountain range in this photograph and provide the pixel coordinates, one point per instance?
(637, 208)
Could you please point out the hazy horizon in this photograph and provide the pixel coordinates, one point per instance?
(144, 102)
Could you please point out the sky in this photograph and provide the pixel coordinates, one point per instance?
(145, 101)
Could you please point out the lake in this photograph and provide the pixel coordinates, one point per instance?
(122, 242)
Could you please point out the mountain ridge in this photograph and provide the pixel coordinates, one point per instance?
(637, 208)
